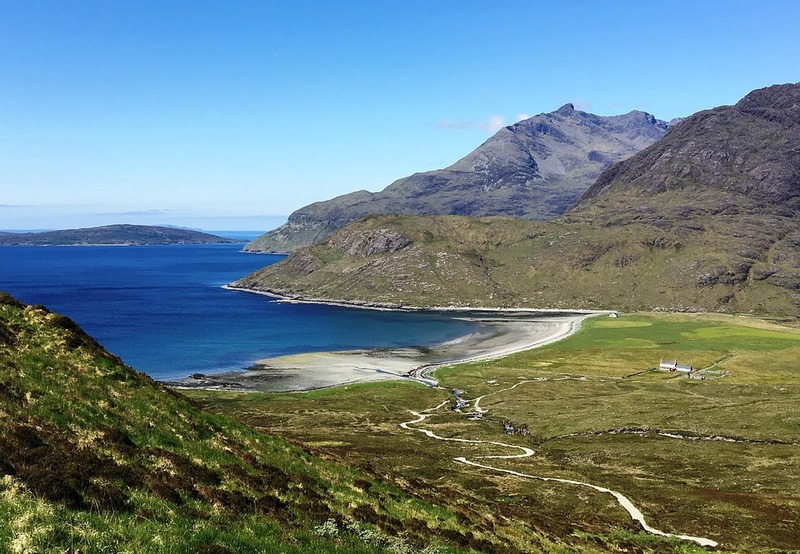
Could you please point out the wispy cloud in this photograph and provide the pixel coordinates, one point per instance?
(491, 124)
(582, 105)
(615, 105)
(138, 212)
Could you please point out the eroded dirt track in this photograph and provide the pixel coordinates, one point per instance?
(525, 452)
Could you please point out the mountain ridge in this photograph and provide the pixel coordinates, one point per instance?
(534, 169)
(756, 170)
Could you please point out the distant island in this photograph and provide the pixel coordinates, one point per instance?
(113, 235)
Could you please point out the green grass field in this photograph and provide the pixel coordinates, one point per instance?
(730, 471)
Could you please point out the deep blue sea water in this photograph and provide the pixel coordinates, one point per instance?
(163, 311)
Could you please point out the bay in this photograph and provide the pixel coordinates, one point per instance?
(163, 310)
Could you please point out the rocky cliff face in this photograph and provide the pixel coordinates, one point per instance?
(534, 169)
(370, 242)
(731, 160)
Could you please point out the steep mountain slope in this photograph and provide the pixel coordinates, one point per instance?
(705, 219)
(730, 175)
(112, 235)
(534, 169)
(728, 161)
(95, 457)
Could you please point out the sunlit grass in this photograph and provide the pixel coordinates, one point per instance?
(595, 413)
(98, 458)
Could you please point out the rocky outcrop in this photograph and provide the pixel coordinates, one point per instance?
(534, 169)
(369, 242)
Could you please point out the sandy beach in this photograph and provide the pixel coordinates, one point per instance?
(498, 335)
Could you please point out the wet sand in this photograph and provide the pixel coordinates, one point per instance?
(497, 336)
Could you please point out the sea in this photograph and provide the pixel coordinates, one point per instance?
(162, 309)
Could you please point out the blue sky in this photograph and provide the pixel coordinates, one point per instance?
(230, 115)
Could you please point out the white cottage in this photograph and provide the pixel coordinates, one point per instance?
(666, 365)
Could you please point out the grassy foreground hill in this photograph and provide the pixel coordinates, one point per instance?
(95, 457)
(706, 219)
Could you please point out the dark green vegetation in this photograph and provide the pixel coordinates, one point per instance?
(128, 235)
(706, 219)
(729, 472)
(95, 457)
(534, 169)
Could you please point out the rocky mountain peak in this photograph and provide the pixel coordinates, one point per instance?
(566, 109)
(534, 169)
(706, 219)
(778, 103)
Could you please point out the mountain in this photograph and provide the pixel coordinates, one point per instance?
(705, 219)
(128, 235)
(534, 169)
(729, 161)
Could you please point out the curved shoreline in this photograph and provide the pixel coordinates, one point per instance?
(283, 296)
(569, 327)
(501, 333)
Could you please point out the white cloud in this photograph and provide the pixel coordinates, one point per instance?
(494, 123)
(523, 116)
(491, 124)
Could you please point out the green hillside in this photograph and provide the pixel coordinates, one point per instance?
(504, 262)
(95, 457)
(716, 455)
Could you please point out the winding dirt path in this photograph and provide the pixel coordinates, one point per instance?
(526, 452)
(623, 500)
